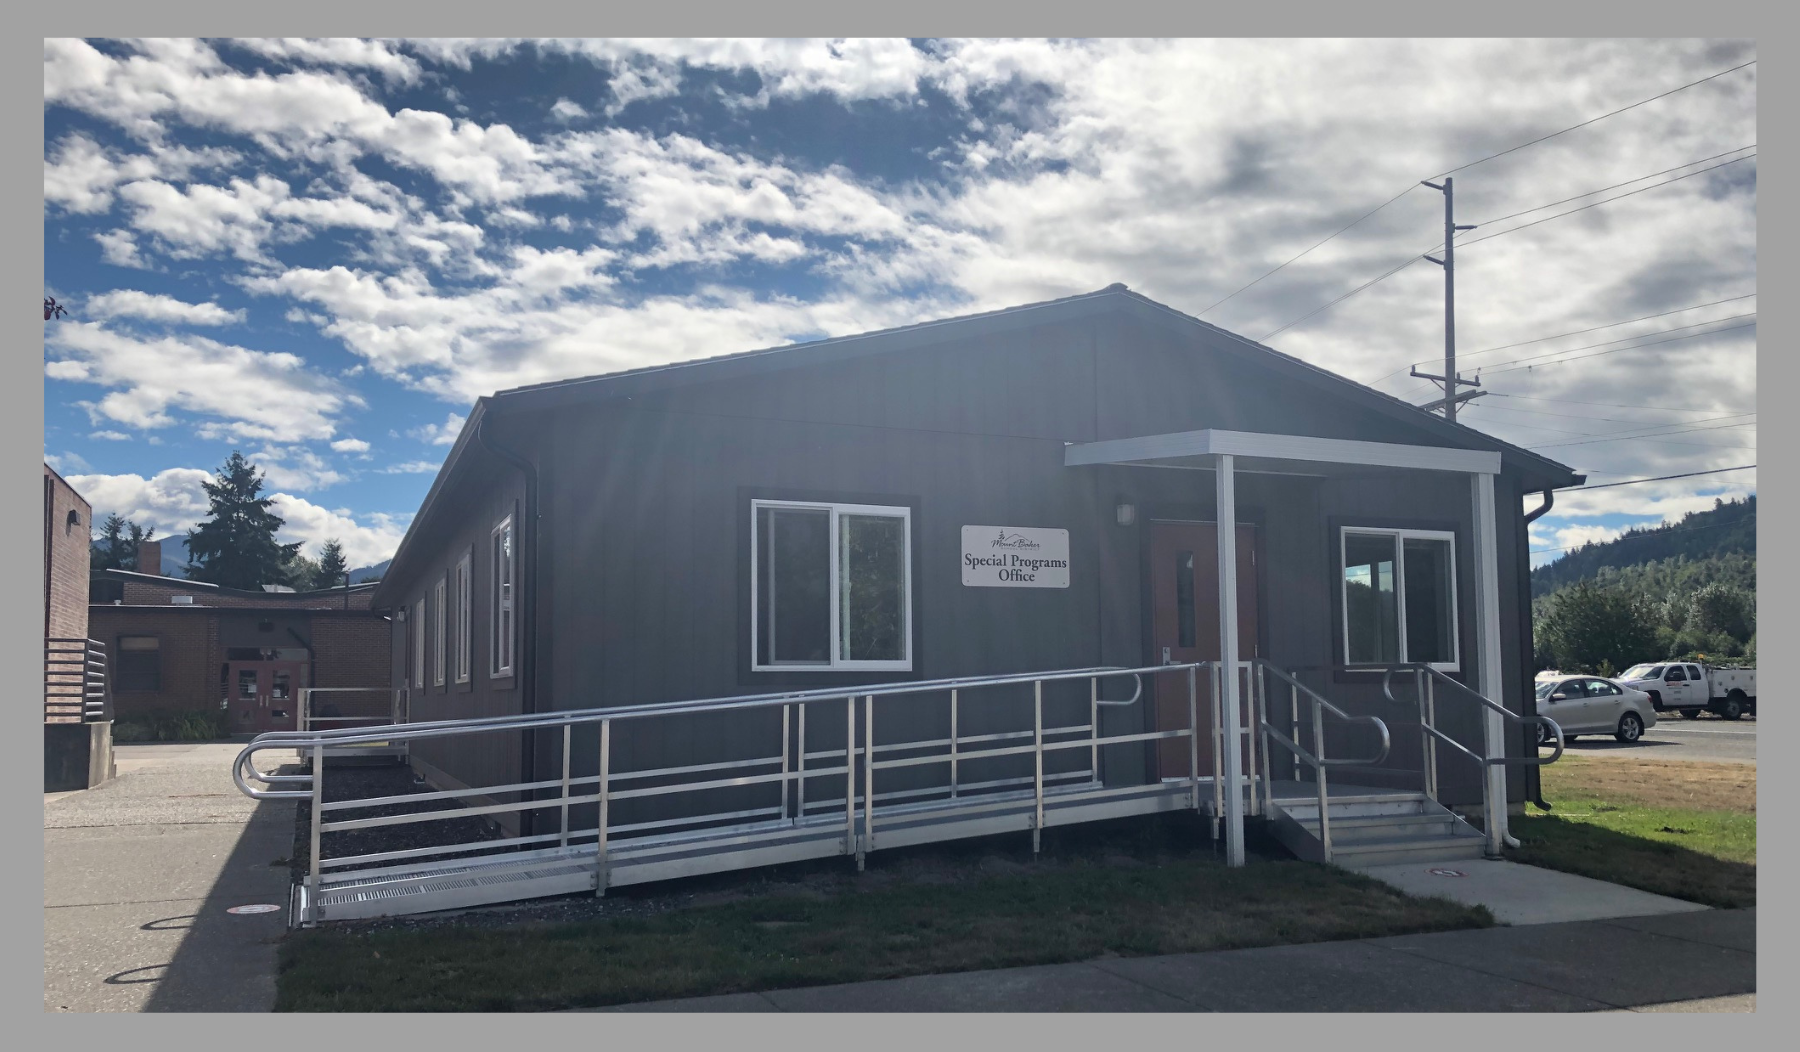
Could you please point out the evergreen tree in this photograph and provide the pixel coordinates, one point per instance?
(117, 546)
(333, 569)
(235, 546)
(1597, 630)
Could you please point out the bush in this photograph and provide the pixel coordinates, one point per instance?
(1585, 628)
(197, 726)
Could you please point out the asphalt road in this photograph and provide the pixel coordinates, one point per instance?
(1708, 738)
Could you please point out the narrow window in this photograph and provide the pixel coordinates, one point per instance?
(138, 665)
(437, 636)
(501, 634)
(1184, 599)
(419, 643)
(1370, 614)
(463, 635)
(831, 586)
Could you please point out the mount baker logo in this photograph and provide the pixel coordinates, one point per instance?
(1015, 541)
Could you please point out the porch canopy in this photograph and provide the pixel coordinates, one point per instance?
(1225, 453)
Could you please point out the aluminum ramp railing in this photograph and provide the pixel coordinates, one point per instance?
(851, 820)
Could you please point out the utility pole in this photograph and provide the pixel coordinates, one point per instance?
(1450, 381)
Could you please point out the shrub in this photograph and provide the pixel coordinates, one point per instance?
(196, 726)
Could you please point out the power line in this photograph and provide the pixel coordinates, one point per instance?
(1690, 336)
(1328, 237)
(1608, 325)
(1614, 405)
(1471, 164)
(1663, 478)
(1342, 298)
(1627, 438)
(1615, 186)
(1597, 434)
(1591, 120)
(1596, 204)
(1661, 531)
(1623, 339)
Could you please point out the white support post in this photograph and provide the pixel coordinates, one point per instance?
(1228, 650)
(1487, 625)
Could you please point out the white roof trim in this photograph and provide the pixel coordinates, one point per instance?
(1212, 442)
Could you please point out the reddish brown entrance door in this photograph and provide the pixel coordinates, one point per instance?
(1184, 596)
(263, 695)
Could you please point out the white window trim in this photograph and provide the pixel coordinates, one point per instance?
(464, 618)
(418, 676)
(836, 664)
(497, 646)
(437, 633)
(1400, 538)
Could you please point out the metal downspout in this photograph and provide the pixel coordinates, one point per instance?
(1537, 780)
(528, 610)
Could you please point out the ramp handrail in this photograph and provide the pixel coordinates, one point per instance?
(531, 721)
(1315, 757)
(857, 760)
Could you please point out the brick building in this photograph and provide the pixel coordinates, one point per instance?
(77, 722)
(184, 646)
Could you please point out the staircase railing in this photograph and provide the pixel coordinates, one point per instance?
(794, 768)
(1425, 680)
(1314, 757)
(75, 684)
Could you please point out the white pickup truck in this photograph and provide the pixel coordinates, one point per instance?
(1689, 688)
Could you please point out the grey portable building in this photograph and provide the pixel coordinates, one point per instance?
(588, 543)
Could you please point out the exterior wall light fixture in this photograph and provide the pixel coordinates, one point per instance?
(1127, 514)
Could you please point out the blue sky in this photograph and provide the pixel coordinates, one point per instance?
(321, 252)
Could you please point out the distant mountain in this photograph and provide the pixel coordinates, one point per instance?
(1728, 528)
(368, 572)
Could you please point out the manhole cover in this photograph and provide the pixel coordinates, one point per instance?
(1446, 872)
(260, 907)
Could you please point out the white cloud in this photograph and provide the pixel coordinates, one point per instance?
(294, 467)
(443, 434)
(248, 394)
(173, 501)
(118, 248)
(155, 307)
(66, 463)
(411, 467)
(567, 110)
(350, 445)
(83, 175)
(111, 436)
(352, 53)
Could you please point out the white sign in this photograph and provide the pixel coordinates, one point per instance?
(1015, 557)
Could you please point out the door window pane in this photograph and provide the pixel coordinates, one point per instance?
(872, 588)
(1430, 617)
(1676, 675)
(1184, 599)
(1371, 615)
(793, 563)
(247, 683)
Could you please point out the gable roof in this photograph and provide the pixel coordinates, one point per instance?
(1113, 298)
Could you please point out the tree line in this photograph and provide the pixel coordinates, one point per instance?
(1613, 607)
(234, 546)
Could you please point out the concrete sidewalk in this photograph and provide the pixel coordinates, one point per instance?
(1696, 961)
(139, 874)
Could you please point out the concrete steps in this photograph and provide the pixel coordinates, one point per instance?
(1374, 829)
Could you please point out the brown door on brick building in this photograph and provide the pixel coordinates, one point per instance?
(263, 695)
(1184, 597)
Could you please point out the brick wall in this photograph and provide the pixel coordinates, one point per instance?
(190, 656)
(66, 595)
(352, 651)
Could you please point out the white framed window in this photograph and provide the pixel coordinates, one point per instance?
(464, 637)
(437, 634)
(501, 630)
(1398, 597)
(419, 643)
(830, 586)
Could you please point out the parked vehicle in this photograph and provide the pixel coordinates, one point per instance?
(1689, 687)
(1591, 705)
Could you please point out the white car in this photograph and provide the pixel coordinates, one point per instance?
(1591, 705)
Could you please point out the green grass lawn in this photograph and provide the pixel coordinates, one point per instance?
(1687, 830)
(1085, 905)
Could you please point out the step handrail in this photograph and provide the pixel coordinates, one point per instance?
(1416, 667)
(242, 769)
(1320, 764)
